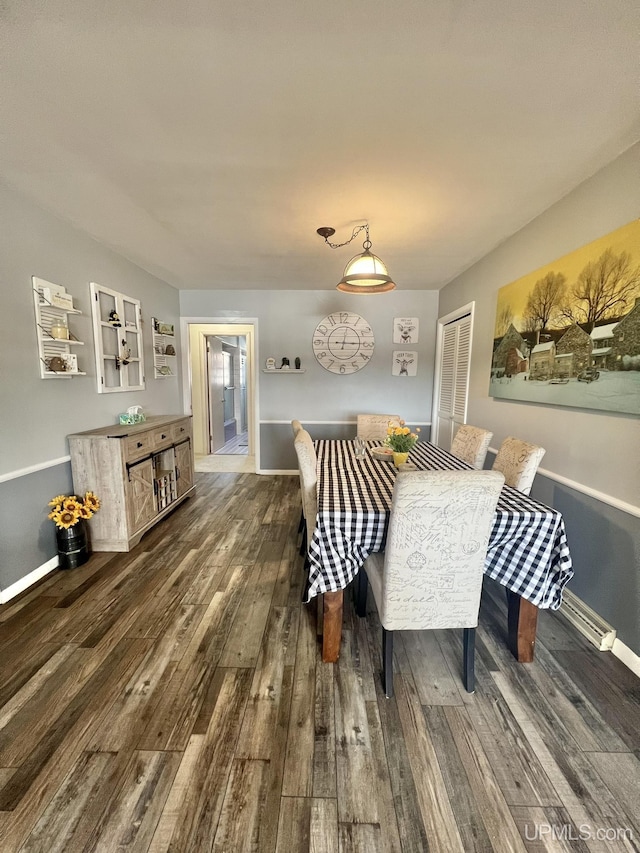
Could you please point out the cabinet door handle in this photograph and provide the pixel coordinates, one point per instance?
(139, 443)
(177, 473)
(163, 435)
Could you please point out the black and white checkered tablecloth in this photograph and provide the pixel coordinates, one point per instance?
(528, 551)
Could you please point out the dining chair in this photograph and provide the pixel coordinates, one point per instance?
(296, 426)
(307, 463)
(430, 574)
(518, 461)
(470, 444)
(374, 427)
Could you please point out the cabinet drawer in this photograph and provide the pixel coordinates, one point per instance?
(162, 438)
(138, 445)
(181, 430)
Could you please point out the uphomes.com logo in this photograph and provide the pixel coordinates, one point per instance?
(569, 832)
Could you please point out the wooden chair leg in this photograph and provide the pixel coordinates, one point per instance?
(362, 585)
(301, 523)
(469, 649)
(387, 662)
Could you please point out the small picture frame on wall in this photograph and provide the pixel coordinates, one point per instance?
(405, 330)
(404, 363)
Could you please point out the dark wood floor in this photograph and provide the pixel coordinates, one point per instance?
(173, 698)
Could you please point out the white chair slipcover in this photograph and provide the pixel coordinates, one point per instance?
(470, 444)
(430, 574)
(374, 427)
(307, 463)
(518, 461)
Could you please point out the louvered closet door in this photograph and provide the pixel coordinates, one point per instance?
(453, 379)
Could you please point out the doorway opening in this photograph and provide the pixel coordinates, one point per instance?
(221, 387)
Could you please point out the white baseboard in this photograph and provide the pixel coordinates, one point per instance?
(627, 656)
(28, 580)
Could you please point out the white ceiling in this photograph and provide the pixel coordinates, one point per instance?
(206, 141)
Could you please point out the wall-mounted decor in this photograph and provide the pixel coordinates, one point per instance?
(568, 334)
(164, 351)
(55, 335)
(404, 363)
(405, 330)
(117, 330)
(343, 342)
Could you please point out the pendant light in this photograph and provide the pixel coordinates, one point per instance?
(365, 273)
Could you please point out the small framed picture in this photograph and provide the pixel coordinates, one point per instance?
(71, 362)
(405, 330)
(404, 363)
(165, 328)
(270, 364)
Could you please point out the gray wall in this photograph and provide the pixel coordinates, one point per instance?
(286, 321)
(600, 452)
(37, 414)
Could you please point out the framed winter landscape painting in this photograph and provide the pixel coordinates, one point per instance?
(568, 334)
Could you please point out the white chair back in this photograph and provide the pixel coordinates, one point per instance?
(471, 444)
(374, 427)
(518, 461)
(436, 548)
(296, 426)
(307, 463)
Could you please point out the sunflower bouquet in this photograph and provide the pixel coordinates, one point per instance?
(68, 509)
(400, 438)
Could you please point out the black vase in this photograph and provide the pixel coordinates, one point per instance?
(73, 545)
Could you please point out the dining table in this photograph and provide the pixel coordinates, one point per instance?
(528, 552)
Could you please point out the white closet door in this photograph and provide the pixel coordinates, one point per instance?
(452, 375)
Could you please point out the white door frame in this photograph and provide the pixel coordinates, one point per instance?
(457, 314)
(203, 326)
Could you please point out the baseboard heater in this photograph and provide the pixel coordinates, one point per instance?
(587, 621)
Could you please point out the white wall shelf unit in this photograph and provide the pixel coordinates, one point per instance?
(50, 347)
(117, 331)
(280, 371)
(163, 339)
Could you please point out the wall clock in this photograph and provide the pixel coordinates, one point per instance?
(343, 342)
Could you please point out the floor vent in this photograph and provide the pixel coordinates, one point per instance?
(587, 621)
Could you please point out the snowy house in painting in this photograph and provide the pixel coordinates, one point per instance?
(602, 338)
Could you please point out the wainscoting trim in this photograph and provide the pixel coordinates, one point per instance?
(587, 490)
(21, 472)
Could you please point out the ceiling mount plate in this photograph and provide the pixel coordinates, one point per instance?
(326, 232)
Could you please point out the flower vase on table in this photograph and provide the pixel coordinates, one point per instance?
(400, 439)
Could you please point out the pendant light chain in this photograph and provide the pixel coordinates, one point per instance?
(354, 234)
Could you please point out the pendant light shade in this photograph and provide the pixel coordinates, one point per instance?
(365, 273)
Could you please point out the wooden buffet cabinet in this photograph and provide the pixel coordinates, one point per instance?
(140, 473)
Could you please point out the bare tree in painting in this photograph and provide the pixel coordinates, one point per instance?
(544, 302)
(503, 320)
(605, 289)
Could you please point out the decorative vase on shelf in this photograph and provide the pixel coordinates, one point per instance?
(73, 545)
(399, 458)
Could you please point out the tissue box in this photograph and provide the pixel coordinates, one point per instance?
(127, 419)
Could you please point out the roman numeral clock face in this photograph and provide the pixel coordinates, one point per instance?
(343, 342)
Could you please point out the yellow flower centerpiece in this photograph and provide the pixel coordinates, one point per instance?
(69, 514)
(400, 439)
(68, 509)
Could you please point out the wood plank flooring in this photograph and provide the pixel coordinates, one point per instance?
(174, 699)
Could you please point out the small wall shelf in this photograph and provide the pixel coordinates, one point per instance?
(279, 370)
(50, 347)
(163, 339)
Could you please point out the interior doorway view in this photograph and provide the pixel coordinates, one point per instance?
(222, 384)
(227, 369)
